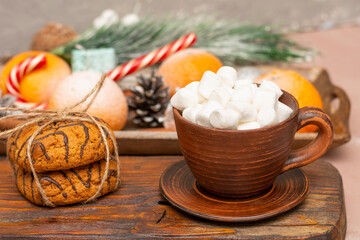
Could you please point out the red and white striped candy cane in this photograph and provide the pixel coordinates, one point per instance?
(17, 73)
(152, 57)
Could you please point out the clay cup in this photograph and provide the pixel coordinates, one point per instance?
(244, 163)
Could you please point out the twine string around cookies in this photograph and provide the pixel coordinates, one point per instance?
(46, 117)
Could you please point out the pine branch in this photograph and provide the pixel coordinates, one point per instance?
(231, 42)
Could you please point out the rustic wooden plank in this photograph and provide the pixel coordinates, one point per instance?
(137, 210)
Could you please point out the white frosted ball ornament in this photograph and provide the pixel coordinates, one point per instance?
(224, 119)
(208, 83)
(228, 76)
(110, 103)
(107, 18)
(130, 19)
(184, 98)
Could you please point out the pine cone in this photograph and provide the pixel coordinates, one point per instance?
(7, 101)
(149, 101)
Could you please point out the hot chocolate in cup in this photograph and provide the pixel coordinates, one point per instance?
(244, 163)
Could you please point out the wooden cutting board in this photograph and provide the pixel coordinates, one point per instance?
(137, 210)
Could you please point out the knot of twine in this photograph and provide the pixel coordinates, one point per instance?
(47, 117)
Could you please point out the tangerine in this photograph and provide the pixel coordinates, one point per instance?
(187, 66)
(298, 86)
(38, 85)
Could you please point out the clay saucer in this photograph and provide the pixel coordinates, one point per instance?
(179, 187)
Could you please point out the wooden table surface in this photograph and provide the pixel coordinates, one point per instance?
(138, 211)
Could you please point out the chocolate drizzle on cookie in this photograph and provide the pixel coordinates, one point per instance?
(14, 143)
(86, 132)
(99, 172)
(49, 179)
(24, 182)
(87, 185)
(32, 187)
(69, 179)
(67, 176)
(65, 138)
(66, 142)
(42, 149)
(38, 142)
(110, 173)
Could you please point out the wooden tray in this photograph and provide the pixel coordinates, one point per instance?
(160, 142)
(137, 210)
(336, 105)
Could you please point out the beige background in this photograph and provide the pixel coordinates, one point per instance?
(20, 19)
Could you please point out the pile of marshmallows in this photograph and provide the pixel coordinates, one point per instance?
(222, 101)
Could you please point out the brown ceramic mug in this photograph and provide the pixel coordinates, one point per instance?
(243, 163)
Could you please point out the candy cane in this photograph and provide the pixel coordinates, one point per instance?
(152, 57)
(17, 73)
(32, 63)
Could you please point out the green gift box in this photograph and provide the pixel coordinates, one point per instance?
(100, 60)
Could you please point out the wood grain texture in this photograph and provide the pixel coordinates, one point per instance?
(137, 210)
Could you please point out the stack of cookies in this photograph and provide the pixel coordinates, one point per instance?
(68, 158)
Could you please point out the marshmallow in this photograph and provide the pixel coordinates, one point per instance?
(224, 118)
(208, 83)
(228, 76)
(283, 111)
(191, 112)
(202, 117)
(247, 112)
(264, 98)
(221, 95)
(243, 94)
(248, 126)
(184, 98)
(194, 86)
(266, 84)
(254, 88)
(241, 83)
(267, 116)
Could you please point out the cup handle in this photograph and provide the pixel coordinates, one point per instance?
(309, 153)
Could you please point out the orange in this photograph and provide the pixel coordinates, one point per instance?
(110, 103)
(303, 90)
(38, 85)
(187, 66)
